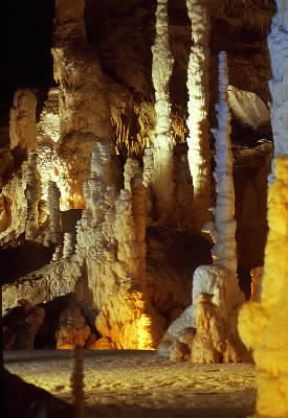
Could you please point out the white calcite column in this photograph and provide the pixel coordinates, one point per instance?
(225, 248)
(162, 66)
(199, 153)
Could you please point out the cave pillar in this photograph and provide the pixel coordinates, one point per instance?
(163, 146)
(199, 153)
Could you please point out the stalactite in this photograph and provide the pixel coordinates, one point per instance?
(54, 213)
(198, 104)
(32, 194)
(163, 143)
(262, 323)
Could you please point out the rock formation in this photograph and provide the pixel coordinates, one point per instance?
(81, 90)
(95, 181)
(163, 142)
(262, 322)
(198, 105)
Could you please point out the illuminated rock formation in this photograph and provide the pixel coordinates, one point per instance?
(81, 91)
(197, 122)
(53, 280)
(23, 121)
(262, 322)
(163, 142)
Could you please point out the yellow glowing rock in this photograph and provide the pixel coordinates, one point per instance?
(263, 325)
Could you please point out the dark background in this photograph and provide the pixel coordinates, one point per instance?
(25, 41)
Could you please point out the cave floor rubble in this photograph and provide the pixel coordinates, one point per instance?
(136, 384)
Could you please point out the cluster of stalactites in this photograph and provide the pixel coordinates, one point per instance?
(162, 66)
(198, 104)
(224, 251)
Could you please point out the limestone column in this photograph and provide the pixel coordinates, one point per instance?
(198, 104)
(162, 66)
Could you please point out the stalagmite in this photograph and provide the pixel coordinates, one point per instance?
(263, 323)
(163, 143)
(32, 194)
(198, 104)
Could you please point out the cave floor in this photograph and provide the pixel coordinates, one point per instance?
(134, 384)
